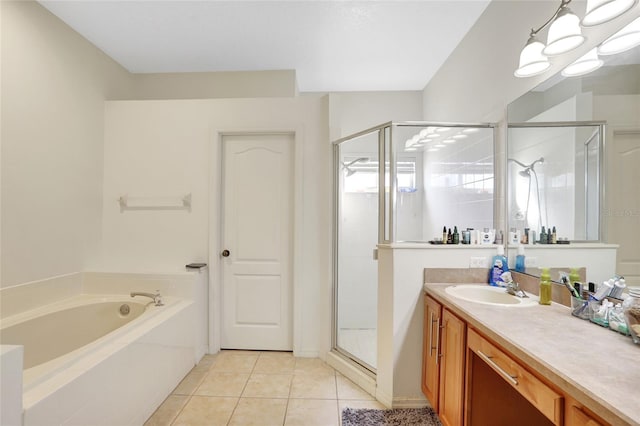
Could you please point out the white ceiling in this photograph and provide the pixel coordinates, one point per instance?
(332, 45)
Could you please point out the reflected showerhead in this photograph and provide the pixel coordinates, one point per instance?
(346, 166)
(527, 169)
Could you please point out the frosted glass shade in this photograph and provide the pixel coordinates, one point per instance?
(583, 65)
(625, 39)
(600, 11)
(532, 61)
(565, 33)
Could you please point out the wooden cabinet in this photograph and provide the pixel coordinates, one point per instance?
(443, 362)
(430, 351)
(493, 375)
(577, 415)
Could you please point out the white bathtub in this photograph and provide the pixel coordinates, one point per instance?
(88, 364)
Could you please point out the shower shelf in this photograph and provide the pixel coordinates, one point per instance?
(155, 203)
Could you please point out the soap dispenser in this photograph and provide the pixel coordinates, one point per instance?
(545, 287)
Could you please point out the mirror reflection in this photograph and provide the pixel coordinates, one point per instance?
(568, 171)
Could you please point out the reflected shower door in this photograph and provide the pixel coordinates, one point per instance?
(356, 287)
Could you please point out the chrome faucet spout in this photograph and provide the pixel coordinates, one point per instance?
(514, 289)
(157, 299)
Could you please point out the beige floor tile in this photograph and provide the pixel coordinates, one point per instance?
(207, 361)
(275, 364)
(259, 412)
(313, 366)
(222, 384)
(349, 390)
(190, 383)
(235, 363)
(318, 387)
(268, 386)
(312, 412)
(226, 352)
(204, 410)
(168, 411)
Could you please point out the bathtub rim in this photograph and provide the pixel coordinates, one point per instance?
(80, 358)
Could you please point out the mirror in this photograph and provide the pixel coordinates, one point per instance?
(580, 137)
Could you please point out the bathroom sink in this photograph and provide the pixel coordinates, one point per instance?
(489, 295)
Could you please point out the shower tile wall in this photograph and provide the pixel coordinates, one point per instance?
(459, 186)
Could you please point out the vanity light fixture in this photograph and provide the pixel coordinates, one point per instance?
(601, 11)
(623, 40)
(583, 65)
(565, 33)
(532, 61)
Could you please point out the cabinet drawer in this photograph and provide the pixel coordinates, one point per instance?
(545, 399)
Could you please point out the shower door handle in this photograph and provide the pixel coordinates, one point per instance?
(225, 253)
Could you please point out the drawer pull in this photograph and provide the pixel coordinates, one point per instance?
(488, 359)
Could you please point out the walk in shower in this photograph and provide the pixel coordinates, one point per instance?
(395, 183)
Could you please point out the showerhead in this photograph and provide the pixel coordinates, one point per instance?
(346, 166)
(527, 169)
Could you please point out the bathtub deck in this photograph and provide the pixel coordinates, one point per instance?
(246, 387)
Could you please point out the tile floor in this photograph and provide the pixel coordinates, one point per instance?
(260, 388)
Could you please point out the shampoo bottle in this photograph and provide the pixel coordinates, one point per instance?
(545, 287)
(520, 259)
(498, 267)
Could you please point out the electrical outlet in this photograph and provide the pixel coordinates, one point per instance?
(478, 262)
(531, 261)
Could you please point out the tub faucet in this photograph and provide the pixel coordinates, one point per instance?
(157, 299)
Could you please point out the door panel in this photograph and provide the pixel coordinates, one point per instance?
(257, 229)
(623, 213)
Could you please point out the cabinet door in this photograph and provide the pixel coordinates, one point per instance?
(452, 369)
(430, 351)
(576, 415)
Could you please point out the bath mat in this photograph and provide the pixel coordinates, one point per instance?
(397, 417)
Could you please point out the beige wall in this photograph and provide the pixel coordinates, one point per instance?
(53, 84)
(215, 85)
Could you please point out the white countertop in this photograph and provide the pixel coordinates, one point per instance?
(598, 367)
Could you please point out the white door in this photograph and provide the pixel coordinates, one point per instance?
(623, 213)
(256, 238)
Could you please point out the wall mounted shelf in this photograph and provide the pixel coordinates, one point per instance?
(155, 203)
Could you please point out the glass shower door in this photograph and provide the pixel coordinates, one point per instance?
(356, 298)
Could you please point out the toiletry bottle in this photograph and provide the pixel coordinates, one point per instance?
(498, 267)
(449, 237)
(456, 236)
(520, 259)
(525, 236)
(574, 277)
(545, 287)
(499, 237)
(554, 237)
(444, 235)
(543, 236)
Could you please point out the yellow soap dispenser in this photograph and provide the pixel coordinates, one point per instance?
(545, 287)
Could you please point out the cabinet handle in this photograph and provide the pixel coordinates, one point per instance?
(431, 333)
(438, 354)
(488, 359)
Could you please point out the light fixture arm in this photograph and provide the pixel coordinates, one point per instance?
(563, 3)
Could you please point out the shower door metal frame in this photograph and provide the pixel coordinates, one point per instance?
(386, 202)
(602, 127)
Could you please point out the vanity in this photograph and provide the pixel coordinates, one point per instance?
(492, 364)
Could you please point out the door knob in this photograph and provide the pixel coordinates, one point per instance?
(225, 253)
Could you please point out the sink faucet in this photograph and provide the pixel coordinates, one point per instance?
(157, 299)
(514, 289)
